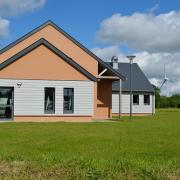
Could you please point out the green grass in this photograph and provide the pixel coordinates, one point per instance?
(146, 148)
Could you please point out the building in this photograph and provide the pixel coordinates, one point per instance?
(143, 98)
(47, 75)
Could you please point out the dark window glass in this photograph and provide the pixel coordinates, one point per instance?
(49, 105)
(68, 100)
(136, 99)
(6, 102)
(146, 99)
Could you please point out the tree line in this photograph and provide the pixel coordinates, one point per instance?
(166, 102)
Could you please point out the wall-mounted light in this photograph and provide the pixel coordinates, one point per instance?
(19, 84)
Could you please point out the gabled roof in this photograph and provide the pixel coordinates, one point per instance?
(105, 65)
(140, 83)
(53, 49)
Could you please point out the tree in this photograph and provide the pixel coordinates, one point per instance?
(166, 102)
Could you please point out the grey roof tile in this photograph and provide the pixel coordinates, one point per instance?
(139, 79)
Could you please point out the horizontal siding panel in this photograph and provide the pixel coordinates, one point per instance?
(29, 98)
(141, 108)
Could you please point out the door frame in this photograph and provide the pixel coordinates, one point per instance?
(12, 113)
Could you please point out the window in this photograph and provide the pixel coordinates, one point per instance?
(49, 103)
(146, 99)
(68, 100)
(135, 99)
(6, 102)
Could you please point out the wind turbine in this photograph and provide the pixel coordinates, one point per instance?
(165, 81)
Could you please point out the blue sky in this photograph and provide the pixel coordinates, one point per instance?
(81, 18)
(150, 29)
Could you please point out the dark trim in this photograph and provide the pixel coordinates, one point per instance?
(54, 99)
(12, 115)
(53, 49)
(135, 94)
(68, 111)
(70, 38)
(147, 104)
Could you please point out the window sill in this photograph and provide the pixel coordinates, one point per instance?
(134, 104)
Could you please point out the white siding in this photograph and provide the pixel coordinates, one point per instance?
(29, 98)
(141, 108)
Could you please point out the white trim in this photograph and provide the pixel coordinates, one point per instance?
(100, 74)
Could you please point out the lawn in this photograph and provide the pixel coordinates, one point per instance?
(145, 148)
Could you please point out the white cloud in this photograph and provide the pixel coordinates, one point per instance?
(152, 65)
(107, 52)
(143, 31)
(4, 28)
(16, 7)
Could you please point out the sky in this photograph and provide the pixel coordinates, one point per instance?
(148, 29)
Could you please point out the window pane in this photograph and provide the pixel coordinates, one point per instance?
(6, 103)
(68, 100)
(49, 105)
(146, 99)
(136, 99)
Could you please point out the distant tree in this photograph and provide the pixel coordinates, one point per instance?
(166, 102)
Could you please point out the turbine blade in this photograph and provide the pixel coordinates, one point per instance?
(163, 83)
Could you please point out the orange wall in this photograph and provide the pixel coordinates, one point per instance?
(41, 63)
(104, 99)
(60, 41)
(53, 118)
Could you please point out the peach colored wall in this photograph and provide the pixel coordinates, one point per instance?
(60, 41)
(41, 63)
(53, 119)
(104, 99)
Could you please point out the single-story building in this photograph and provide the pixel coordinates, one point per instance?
(47, 75)
(143, 98)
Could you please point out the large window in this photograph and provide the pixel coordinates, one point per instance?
(147, 99)
(49, 103)
(136, 99)
(68, 100)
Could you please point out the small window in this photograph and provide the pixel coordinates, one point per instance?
(146, 99)
(49, 103)
(135, 99)
(68, 100)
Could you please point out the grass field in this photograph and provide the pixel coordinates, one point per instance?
(146, 148)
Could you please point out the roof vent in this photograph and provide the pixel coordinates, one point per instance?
(114, 62)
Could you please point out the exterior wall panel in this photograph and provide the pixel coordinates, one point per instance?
(29, 98)
(139, 109)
